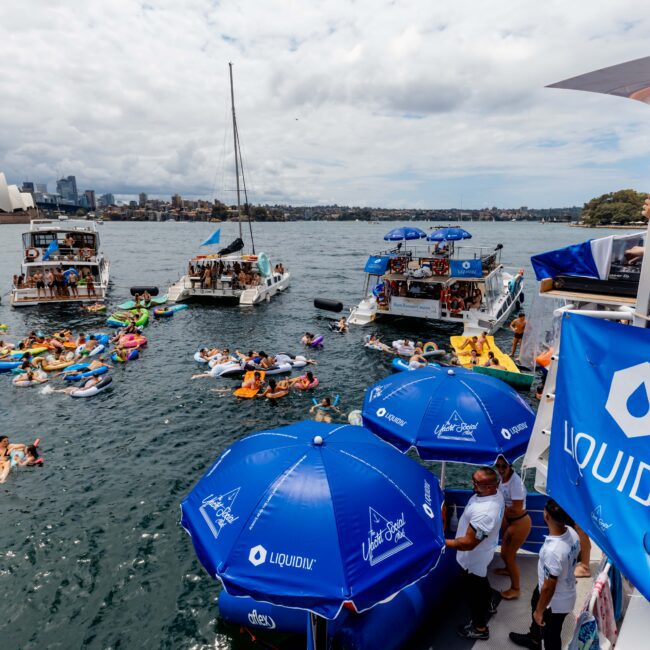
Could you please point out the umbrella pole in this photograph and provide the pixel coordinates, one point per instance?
(316, 632)
(443, 474)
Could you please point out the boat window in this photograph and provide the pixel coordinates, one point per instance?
(268, 282)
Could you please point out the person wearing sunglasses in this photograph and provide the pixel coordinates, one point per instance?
(515, 526)
(476, 540)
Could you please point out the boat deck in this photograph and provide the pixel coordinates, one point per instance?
(511, 616)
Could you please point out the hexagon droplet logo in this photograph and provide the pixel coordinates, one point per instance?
(257, 555)
(630, 391)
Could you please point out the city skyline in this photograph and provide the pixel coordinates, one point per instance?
(399, 105)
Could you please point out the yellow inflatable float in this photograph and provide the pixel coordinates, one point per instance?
(464, 355)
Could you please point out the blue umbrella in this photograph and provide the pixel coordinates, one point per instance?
(449, 415)
(315, 515)
(449, 234)
(404, 232)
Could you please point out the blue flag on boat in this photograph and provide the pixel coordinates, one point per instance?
(214, 238)
(599, 464)
(52, 248)
(466, 268)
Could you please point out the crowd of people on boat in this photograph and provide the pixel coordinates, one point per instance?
(216, 274)
(55, 282)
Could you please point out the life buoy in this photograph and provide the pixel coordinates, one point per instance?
(456, 305)
(32, 253)
(397, 265)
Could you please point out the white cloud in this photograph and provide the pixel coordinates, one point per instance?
(406, 103)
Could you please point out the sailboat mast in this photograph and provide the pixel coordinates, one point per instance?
(234, 135)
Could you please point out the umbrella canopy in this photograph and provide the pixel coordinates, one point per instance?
(449, 234)
(314, 515)
(449, 415)
(404, 232)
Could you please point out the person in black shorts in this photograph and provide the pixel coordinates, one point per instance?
(40, 284)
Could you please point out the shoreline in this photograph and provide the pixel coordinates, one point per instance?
(614, 227)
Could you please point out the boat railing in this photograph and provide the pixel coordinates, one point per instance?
(57, 224)
(64, 254)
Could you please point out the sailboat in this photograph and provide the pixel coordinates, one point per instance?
(232, 274)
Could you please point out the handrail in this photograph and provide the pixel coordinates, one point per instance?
(597, 586)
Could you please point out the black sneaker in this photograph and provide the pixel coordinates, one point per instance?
(470, 632)
(524, 640)
(492, 608)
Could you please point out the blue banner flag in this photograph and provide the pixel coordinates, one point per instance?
(466, 268)
(377, 264)
(52, 248)
(214, 238)
(599, 463)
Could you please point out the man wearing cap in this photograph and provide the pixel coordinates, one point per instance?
(476, 540)
(555, 594)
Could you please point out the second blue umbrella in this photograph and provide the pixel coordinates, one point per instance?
(449, 415)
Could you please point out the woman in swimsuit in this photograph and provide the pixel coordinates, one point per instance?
(276, 390)
(324, 410)
(304, 381)
(6, 451)
(515, 526)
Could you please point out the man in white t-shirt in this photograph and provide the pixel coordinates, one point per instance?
(476, 540)
(555, 594)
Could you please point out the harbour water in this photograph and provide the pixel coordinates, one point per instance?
(91, 552)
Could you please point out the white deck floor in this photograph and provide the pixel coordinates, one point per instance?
(512, 615)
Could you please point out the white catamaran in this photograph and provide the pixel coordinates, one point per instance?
(231, 275)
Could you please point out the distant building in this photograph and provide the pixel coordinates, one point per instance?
(106, 200)
(12, 199)
(67, 188)
(177, 202)
(28, 187)
(41, 187)
(142, 199)
(90, 199)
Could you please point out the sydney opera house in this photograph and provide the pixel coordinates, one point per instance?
(15, 206)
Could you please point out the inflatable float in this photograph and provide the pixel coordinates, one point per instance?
(317, 342)
(92, 390)
(297, 361)
(518, 380)
(132, 355)
(132, 341)
(166, 312)
(402, 364)
(3, 327)
(248, 393)
(40, 377)
(139, 317)
(275, 369)
(308, 386)
(154, 302)
(464, 356)
(98, 349)
(102, 370)
(8, 366)
(18, 354)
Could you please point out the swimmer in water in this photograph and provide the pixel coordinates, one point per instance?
(324, 410)
(90, 382)
(304, 382)
(417, 360)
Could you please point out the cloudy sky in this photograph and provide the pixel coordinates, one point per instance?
(411, 103)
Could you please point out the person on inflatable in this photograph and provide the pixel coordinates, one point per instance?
(342, 325)
(275, 390)
(304, 382)
(29, 458)
(417, 360)
(482, 342)
(89, 383)
(307, 338)
(255, 382)
(373, 341)
(470, 342)
(93, 365)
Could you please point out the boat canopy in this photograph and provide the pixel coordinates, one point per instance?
(591, 259)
